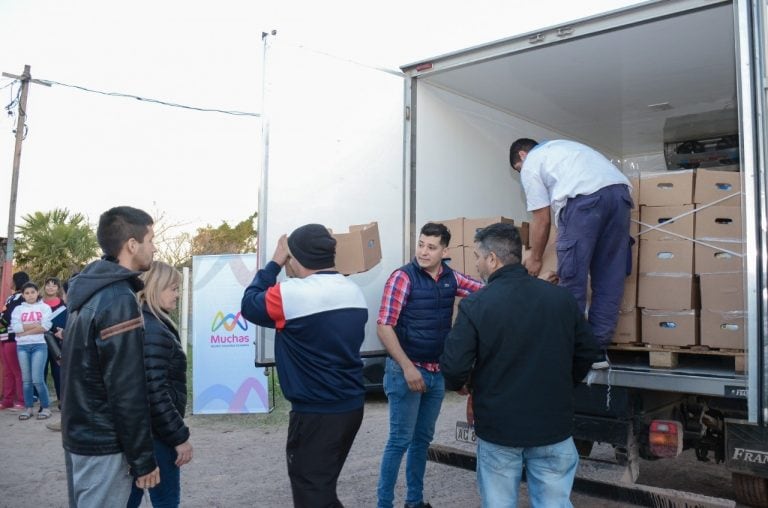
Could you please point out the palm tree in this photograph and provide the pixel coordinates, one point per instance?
(56, 243)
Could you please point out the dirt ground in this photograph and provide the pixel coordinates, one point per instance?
(239, 462)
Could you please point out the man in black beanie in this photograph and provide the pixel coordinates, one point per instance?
(319, 317)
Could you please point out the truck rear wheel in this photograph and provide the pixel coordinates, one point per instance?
(750, 490)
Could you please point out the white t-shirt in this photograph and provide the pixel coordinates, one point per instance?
(29, 313)
(557, 170)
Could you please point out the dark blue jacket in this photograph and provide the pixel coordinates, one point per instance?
(320, 326)
(425, 318)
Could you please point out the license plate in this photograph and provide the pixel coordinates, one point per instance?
(465, 433)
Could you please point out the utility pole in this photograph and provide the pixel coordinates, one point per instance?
(26, 79)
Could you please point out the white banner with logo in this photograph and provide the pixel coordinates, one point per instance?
(224, 377)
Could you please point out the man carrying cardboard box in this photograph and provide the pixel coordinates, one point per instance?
(319, 318)
(414, 319)
(591, 203)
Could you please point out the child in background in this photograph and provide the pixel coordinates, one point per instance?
(30, 321)
(53, 297)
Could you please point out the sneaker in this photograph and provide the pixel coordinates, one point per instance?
(44, 414)
(601, 364)
(55, 426)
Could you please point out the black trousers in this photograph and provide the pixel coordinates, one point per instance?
(318, 445)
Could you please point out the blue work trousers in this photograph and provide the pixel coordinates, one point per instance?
(593, 242)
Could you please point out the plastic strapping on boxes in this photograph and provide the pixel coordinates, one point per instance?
(660, 227)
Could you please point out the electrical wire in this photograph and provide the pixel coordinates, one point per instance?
(150, 100)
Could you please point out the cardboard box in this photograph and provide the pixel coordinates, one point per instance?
(667, 291)
(668, 328)
(667, 188)
(722, 329)
(455, 258)
(722, 291)
(634, 223)
(634, 192)
(470, 268)
(667, 215)
(359, 250)
(472, 225)
(627, 328)
(715, 184)
(673, 256)
(719, 222)
(456, 302)
(715, 257)
(629, 298)
(456, 227)
(549, 260)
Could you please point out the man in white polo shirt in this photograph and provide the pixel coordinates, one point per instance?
(590, 200)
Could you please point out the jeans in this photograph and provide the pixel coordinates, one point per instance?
(549, 470)
(32, 359)
(12, 386)
(412, 417)
(167, 493)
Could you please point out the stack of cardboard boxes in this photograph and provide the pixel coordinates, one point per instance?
(628, 325)
(667, 291)
(691, 250)
(718, 258)
(460, 251)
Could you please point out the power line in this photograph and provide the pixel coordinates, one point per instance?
(154, 101)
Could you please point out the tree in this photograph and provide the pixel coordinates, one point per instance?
(173, 246)
(54, 244)
(226, 239)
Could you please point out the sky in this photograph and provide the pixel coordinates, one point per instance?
(88, 152)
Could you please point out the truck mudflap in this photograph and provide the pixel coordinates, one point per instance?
(746, 448)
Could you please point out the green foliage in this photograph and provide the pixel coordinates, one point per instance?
(226, 239)
(56, 243)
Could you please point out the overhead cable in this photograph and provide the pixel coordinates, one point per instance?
(154, 101)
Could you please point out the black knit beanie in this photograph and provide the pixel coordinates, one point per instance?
(313, 246)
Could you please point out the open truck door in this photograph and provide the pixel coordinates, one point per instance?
(332, 138)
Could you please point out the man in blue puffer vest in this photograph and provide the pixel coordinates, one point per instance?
(414, 319)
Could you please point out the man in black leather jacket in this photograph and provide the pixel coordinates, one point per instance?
(105, 409)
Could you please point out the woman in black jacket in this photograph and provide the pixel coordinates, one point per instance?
(166, 368)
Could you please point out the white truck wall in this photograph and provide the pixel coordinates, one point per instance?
(462, 158)
(334, 157)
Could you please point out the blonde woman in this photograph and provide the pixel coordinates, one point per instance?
(166, 367)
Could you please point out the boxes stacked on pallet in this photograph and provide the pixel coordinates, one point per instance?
(719, 252)
(667, 287)
(628, 326)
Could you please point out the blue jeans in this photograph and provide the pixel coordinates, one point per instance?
(412, 418)
(32, 360)
(167, 493)
(549, 470)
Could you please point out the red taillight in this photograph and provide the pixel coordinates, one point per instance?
(665, 438)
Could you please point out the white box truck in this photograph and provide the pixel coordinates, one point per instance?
(658, 86)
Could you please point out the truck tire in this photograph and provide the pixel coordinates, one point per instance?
(583, 446)
(750, 490)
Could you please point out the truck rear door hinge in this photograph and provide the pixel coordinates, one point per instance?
(565, 31)
(536, 39)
